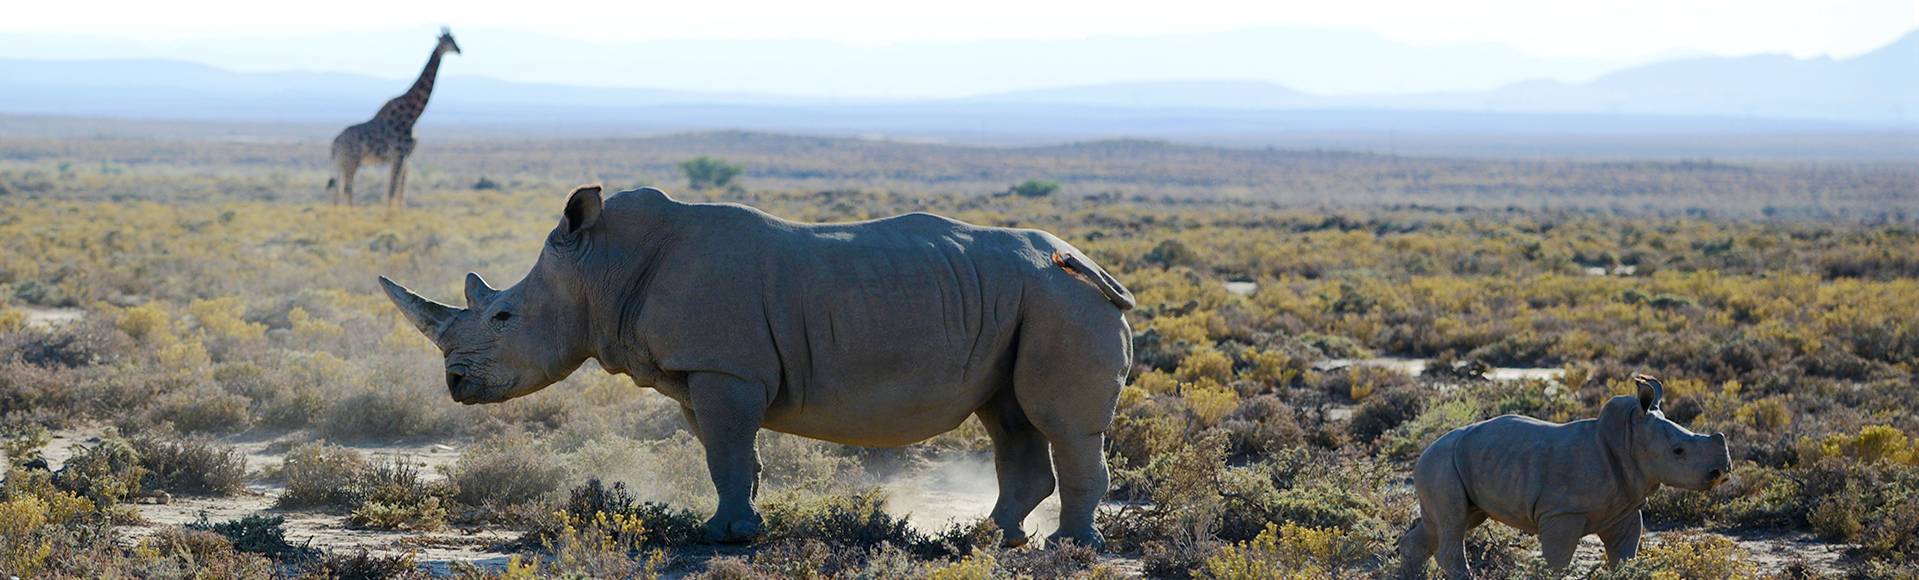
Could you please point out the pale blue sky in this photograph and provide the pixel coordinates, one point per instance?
(579, 42)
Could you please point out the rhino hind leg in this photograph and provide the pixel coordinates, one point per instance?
(1415, 547)
(1446, 513)
(1023, 463)
(1073, 356)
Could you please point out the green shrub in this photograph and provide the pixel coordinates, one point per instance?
(1034, 188)
(708, 173)
(257, 534)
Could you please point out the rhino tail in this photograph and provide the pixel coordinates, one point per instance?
(1085, 269)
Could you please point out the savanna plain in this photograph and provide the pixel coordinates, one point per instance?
(200, 378)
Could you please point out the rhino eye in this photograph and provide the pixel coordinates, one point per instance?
(1679, 451)
(502, 316)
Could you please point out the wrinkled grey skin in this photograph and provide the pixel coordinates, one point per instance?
(877, 333)
(1560, 481)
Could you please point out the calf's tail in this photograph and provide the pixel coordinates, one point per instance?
(1114, 291)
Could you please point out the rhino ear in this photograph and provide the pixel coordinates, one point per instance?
(478, 292)
(582, 209)
(1650, 392)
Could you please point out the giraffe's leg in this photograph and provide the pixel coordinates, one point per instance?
(402, 188)
(347, 167)
(396, 186)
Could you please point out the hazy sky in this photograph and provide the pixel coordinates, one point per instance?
(1608, 29)
(918, 49)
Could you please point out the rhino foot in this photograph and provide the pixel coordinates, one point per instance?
(1088, 537)
(1014, 539)
(735, 531)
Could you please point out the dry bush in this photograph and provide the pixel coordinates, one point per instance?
(322, 475)
(191, 466)
(201, 410)
(105, 473)
(393, 496)
(505, 472)
(384, 415)
(179, 552)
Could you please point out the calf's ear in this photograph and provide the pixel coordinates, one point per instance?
(1650, 392)
(582, 209)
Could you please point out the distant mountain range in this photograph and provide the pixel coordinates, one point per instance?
(1880, 88)
(1773, 93)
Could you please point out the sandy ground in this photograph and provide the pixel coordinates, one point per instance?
(38, 317)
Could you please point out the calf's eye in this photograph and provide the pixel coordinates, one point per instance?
(1680, 451)
(503, 316)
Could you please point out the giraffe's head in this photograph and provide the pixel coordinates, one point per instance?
(446, 42)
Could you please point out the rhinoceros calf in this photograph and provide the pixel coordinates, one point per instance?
(1560, 481)
(876, 333)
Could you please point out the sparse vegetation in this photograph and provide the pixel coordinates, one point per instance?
(220, 305)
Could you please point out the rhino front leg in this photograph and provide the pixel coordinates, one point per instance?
(693, 424)
(726, 412)
(1622, 539)
(1559, 537)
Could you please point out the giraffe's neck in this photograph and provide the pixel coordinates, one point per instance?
(407, 108)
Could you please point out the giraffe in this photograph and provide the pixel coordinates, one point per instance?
(388, 138)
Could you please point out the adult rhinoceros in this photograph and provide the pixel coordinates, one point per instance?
(875, 333)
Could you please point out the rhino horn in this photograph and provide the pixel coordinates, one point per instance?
(428, 316)
(477, 290)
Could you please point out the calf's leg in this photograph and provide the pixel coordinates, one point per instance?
(1622, 539)
(1559, 537)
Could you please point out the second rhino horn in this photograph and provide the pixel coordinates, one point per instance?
(478, 293)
